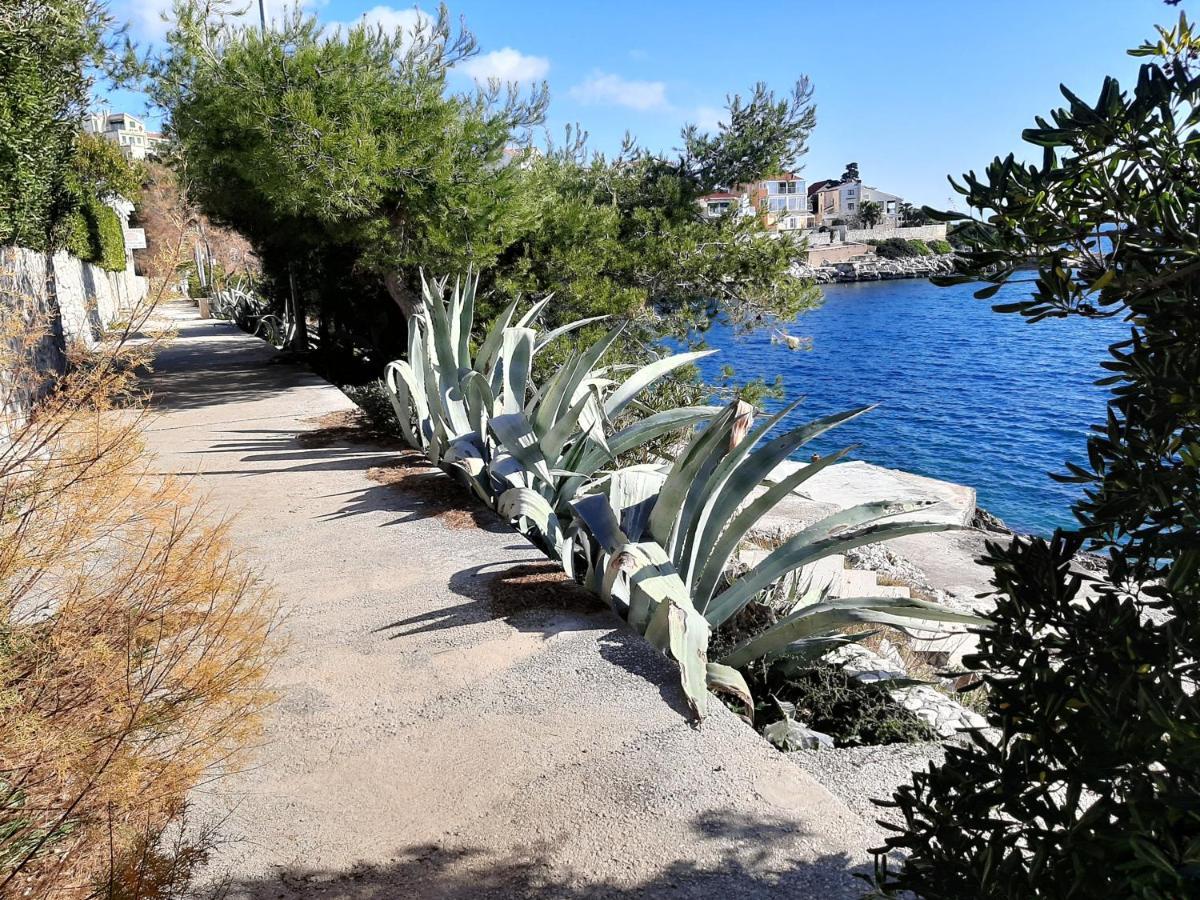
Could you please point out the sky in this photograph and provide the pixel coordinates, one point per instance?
(911, 90)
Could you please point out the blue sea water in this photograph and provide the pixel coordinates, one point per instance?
(965, 394)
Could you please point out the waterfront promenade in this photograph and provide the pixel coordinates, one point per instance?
(453, 719)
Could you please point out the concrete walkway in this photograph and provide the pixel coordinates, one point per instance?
(454, 720)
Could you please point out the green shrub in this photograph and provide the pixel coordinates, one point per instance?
(892, 248)
(830, 700)
(45, 51)
(108, 240)
(1086, 782)
(941, 247)
(74, 235)
(918, 247)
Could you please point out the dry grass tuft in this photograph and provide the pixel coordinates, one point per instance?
(133, 643)
(346, 427)
(538, 586)
(434, 493)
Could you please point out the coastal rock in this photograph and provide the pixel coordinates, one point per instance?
(874, 268)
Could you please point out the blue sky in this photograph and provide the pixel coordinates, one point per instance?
(911, 90)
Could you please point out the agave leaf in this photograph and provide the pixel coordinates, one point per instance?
(517, 352)
(597, 516)
(408, 399)
(550, 401)
(565, 329)
(477, 395)
(632, 492)
(466, 318)
(704, 494)
(516, 436)
(560, 432)
(666, 511)
(842, 531)
(521, 502)
(444, 359)
(806, 651)
(746, 472)
(485, 358)
(726, 680)
(723, 548)
(647, 375)
(687, 634)
(591, 456)
(822, 618)
(534, 311)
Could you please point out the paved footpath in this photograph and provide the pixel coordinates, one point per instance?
(455, 721)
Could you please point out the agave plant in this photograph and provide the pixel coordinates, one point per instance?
(658, 544)
(523, 449)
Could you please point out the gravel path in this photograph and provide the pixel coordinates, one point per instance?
(455, 721)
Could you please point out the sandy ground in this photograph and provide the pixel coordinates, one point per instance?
(454, 720)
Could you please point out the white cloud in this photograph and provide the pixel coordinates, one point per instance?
(390, 18)
(708, 118)
(613, 90)
(145, 17)
(506, 65)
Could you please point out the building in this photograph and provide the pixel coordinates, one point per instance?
(840, 200)
(782, 200)
(127, 132)
(718, 203)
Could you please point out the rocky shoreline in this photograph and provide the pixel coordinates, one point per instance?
(874, 268)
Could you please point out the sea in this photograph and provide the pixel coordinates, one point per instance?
(964, 394)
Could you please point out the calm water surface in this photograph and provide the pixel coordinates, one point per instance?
(965, 394)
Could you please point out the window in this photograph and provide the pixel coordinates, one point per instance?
(849, 205)
(788, 187)
(777, 205)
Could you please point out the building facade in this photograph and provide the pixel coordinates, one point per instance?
(842, 201)
(782, 201)
(127, 132)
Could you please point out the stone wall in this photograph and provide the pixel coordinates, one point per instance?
(26, 291)
(919, 232)
(72, 300)
(876, 268)
(828, 254)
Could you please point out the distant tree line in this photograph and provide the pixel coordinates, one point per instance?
(350, 164)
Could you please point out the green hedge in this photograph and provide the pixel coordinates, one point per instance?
(108, 238)
(901, 248)
(75, 235)
(92, 231)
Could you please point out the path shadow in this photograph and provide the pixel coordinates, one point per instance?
(213, 364)
(728, 854)
(531, 595)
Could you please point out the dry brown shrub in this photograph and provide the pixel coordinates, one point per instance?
(163, 205)
(133, 643)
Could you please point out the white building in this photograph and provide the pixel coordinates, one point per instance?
(782, 200)
(127, 132)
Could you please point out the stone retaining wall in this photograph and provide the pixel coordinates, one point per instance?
(917, 232)
(76, 300)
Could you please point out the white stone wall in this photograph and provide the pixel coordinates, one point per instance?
(26, 290)
(935, 232)
(77, 300)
